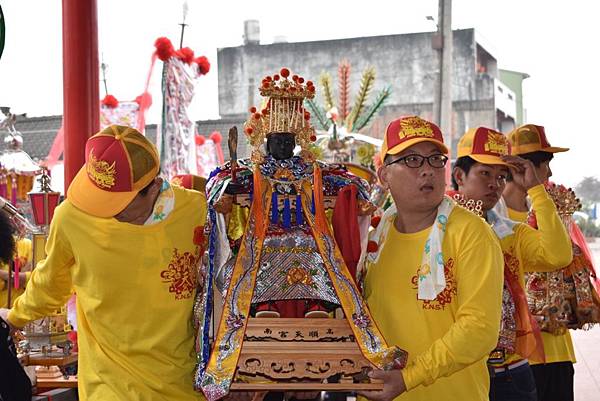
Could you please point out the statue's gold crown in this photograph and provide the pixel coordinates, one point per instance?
(283, 112)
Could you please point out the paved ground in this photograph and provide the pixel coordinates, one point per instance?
(587, 350)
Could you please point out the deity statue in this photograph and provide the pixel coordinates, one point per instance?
(285, 235)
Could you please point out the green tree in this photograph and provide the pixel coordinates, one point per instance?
(589, 190)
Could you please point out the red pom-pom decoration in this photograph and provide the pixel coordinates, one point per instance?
(265, 112)
(200, 140)
(185, 54)
(375, 220)
(311, 88)
(313, 138)
(285, 72)
(295, 78)
(216, 137)
(257, 116)
(268, 78)
(265, 85)
(249, 130)
(372, 246)
(276, 77)
(110, 101)
(164, 48)
(309, 83)
(301, 80)
(144, 100)
(203, 65)
(253, 109)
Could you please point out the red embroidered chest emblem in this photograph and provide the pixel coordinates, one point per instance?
(445, 297)
(181, 274)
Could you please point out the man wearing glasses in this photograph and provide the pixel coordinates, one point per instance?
(434, 281)
(480, 174)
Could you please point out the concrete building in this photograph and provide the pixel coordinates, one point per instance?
(407, 62)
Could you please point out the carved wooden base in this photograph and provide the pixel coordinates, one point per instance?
(48, 372)
(376, 385)
(301, 354)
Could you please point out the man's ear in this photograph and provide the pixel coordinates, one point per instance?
(459, 176)
(383, 176)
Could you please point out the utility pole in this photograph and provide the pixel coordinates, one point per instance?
(442, 42)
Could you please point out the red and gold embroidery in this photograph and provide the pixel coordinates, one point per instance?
(101, 172)
(511, 262)
(181, 274)
(445, 297)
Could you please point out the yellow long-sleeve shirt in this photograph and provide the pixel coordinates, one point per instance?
(517, 216)
(24, 253)
(546, 249)
(557, 348)
(135, 287)
(447, 339)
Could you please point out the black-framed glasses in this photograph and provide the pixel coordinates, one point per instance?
(416, 161)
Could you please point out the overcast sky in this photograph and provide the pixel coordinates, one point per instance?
(555, 42)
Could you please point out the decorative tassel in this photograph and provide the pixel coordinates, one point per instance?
(320, 219)
(257, 203)
(13, 191)
(299, 219)
(17, 264)
(274, 208)
(287, 214)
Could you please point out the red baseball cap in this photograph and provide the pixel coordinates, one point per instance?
(119, 163)
(405, 132)
(484, 145)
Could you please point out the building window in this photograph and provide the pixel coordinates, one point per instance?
(510, 96)
(500, 90)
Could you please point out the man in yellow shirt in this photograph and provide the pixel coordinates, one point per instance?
(434, 283)
(129, 245)
(554, 379)
(480, 173)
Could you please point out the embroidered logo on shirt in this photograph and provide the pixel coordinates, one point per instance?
(181, 274)
(511, 262)
(445, 297)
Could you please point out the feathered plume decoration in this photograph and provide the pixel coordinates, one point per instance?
(344, 88)
(366, 84)
(375, 107)
(325, 81)
(319, 113)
